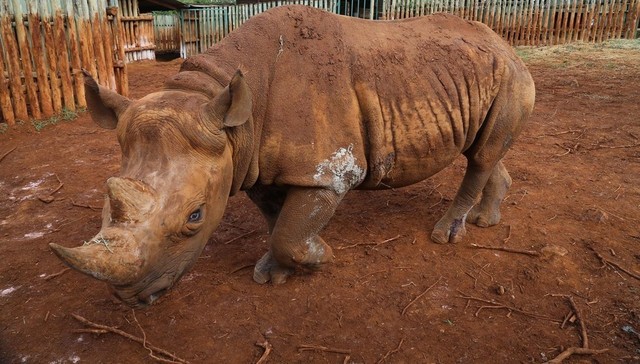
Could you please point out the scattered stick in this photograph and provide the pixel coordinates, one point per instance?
(573, 350)
(505, 240)
(419, 296)
(139, 340)
(240, 237)
(87, 206)
(7, 153)
(241, 268)
(607, 262)
(390, 352)
(584, 350)
(323, 348)
(599, 146)
(267, 350)
(508, 250)
(496, 304)
(54, 275)
(48, 198)
(374, 244)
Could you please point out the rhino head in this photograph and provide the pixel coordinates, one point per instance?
(183, 154)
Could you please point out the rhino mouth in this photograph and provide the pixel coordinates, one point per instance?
(147, 296)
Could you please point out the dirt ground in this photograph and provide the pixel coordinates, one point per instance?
(392, 295)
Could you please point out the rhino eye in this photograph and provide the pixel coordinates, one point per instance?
(195, 216)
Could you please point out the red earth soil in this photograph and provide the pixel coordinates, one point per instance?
(391, 295)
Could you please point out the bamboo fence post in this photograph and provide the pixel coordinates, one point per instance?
(6, 109)
(25, 55)
(85, 38)
(13, 64)
(39, 60)
(589, 20)
(52, 58)
(578, 21)
(107, 43)
(97, 43)
(62, 53)
(118, 38)
(78, 81)
(620, 18)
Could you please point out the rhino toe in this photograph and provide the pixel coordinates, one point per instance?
(449, 231)
(483, 217)
(267, 269)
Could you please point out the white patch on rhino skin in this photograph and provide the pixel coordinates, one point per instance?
(315, 250)
(341, 169)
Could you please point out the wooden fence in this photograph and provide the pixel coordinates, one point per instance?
(45, 44)
(534, 22)
(138, 32)
(166, 26)
(202, 27)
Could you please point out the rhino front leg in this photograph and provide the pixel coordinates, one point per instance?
(487, 212)
(294, 240)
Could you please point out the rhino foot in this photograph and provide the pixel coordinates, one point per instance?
(268, 269)
(449, 231)
(483, 217)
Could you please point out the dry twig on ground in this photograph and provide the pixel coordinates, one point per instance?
(100, 328)
(419, 296)
(7, 153)
(373, 244)
(496, 305)
(382, 360)
(267, 350)
(48, 198)
(323, 348)
(54, 275)
(607, 262)
(86, 206)
(508, 250)
(584, 350)
(240, 237)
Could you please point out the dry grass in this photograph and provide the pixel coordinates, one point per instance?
(614, 52)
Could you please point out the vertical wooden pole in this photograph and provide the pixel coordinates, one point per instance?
(6, 108)
(97, 31)
(52, 57)
(39, 59)
(107, 44)
(12, 56)
(25, 56)
(62, 53)
(78, 82)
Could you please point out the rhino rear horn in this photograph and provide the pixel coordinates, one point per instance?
(233, 105)
(129, 199)
(104, 105)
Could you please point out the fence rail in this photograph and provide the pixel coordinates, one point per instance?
(45, 44)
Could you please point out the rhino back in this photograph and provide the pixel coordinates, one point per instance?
(399, 99)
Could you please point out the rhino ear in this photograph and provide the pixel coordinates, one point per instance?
(233, 105)
(104, 105)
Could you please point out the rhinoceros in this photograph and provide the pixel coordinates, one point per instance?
(296, 108)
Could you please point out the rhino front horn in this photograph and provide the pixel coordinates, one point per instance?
(101, 261)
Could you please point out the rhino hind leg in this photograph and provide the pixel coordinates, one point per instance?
(451, 227)
(485, 171)
(487, 212)
(294, 240)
